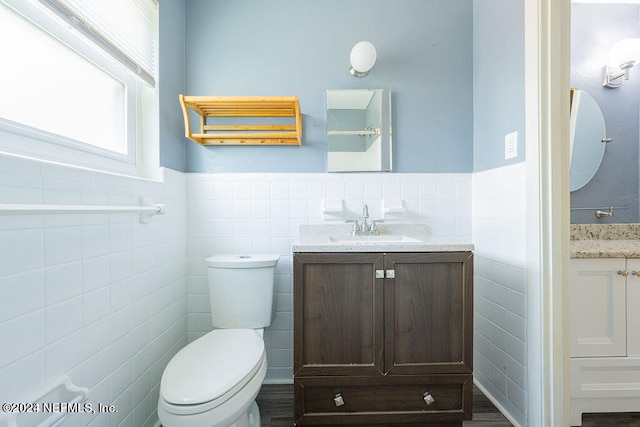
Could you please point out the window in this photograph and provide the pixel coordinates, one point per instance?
(75, 89)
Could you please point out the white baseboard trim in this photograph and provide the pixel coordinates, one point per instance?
(497, 404)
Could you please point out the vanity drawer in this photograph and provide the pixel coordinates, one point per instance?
(381, 400)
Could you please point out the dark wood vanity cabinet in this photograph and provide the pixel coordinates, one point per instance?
(383, 339)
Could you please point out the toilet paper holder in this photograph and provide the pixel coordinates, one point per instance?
(47, 405)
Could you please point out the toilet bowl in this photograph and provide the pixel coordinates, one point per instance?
(214, 381)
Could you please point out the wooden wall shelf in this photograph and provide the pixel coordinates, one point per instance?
(277, 107)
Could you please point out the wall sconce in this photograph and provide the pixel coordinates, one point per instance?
(625, 54)
(362, 59)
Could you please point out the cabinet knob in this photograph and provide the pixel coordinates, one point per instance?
(635, 273)
(428, 398)
(379, 274)
(391, 274)
(623, 273)
(338, 400)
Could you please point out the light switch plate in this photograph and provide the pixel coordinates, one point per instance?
(511, 145)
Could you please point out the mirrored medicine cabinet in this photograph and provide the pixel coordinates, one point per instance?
(358, 130)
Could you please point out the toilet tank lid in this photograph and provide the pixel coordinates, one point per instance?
(243, 260)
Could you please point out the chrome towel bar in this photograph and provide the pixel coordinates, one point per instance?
(146, 209)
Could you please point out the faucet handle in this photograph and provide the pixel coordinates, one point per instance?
(356, 226)
(374, 225)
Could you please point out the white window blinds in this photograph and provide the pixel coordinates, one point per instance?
(125, 29)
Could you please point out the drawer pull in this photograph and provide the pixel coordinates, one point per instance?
(338, 400)
(428, 398)
(623, 273)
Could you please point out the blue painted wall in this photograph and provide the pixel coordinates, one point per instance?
(454, 99)
(171, 83)
(594, 29)
(293, 47)
(498, 80)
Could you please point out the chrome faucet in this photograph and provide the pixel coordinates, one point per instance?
(365, 214)
(366, 227)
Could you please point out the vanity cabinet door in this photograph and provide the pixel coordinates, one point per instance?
(598, 307)
(428, 313)
(633, 308)
(338, 313)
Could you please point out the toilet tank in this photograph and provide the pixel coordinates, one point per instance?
(241, 290)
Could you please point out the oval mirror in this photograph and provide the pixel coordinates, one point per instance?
(587, 138)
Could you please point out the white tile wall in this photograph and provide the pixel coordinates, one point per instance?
(253, 213)
(108, 300)
(500, 319)
(101, 298)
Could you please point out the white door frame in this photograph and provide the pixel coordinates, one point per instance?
(547, 33)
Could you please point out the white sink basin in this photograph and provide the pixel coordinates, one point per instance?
(380, 238)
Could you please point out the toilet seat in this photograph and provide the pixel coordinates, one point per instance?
(207, 372)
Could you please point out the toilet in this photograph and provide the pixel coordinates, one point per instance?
(213, 381)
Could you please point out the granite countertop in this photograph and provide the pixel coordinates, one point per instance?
(605, 248)
(605, 241)
(391, 238)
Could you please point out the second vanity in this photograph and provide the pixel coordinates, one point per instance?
(383, 327)
(604, 301)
